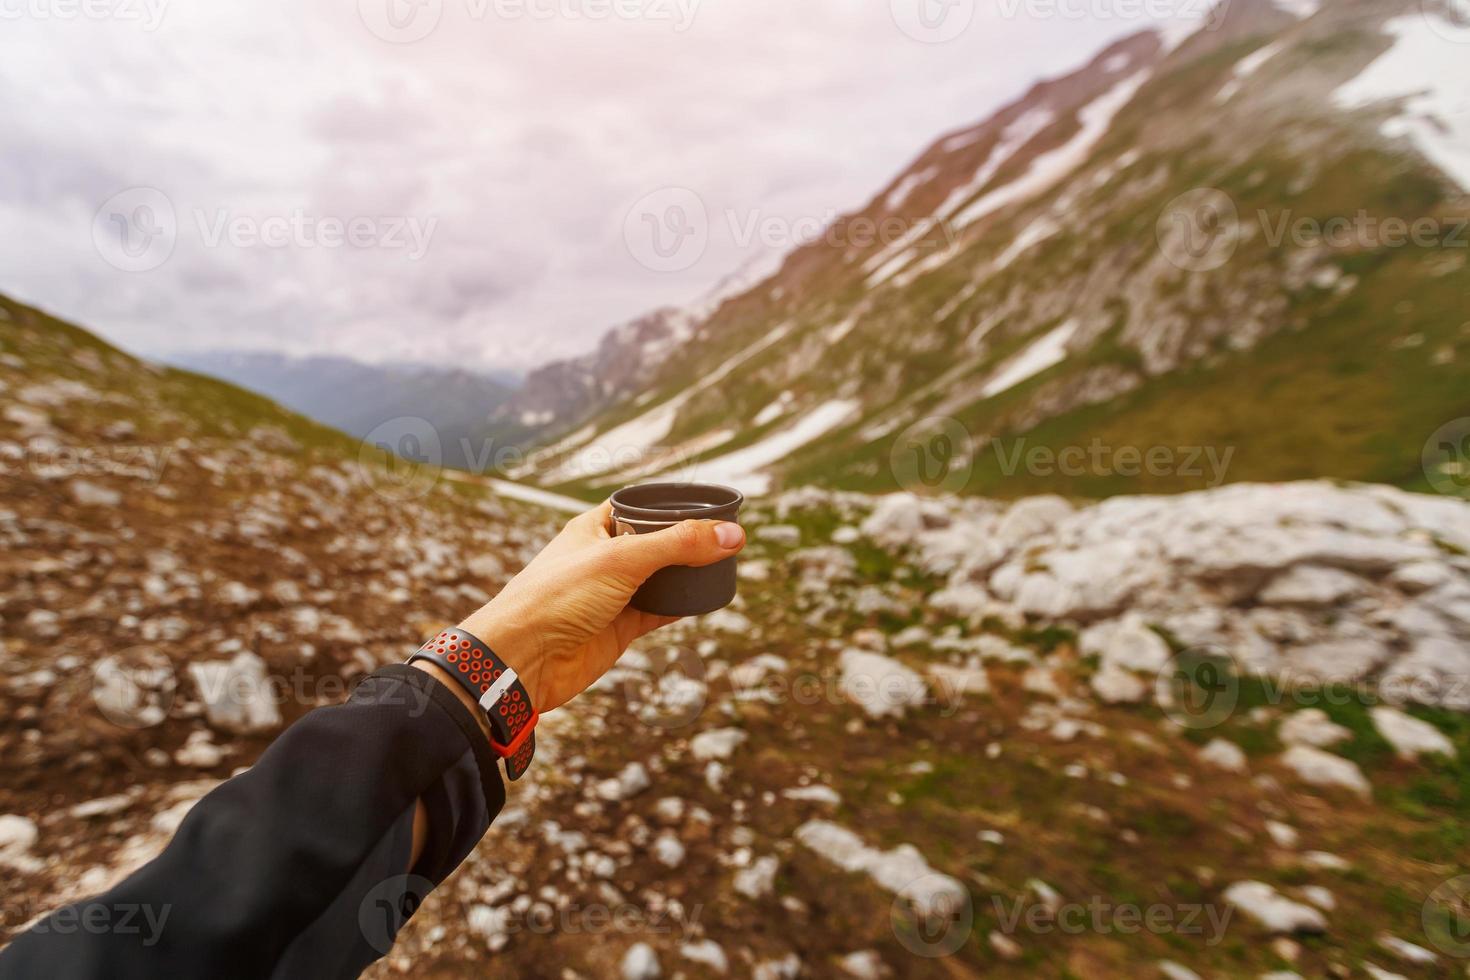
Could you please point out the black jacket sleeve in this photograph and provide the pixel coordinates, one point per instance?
(299, 866)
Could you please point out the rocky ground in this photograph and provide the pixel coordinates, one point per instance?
(1216, 735)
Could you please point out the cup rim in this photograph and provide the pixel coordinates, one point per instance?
(719, 510)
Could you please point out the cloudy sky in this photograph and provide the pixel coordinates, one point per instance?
(461, 180)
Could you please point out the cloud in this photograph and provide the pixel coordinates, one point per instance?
(516, 144)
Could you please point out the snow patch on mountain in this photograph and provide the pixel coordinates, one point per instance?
(632, 441)
(1020, 131)
(1051, 167)
(741, 468)
(1300, 9)
(907, 186)
(1044, 353)
(1430, 74)
(1247, 67)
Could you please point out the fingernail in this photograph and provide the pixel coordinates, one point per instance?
(729, 535)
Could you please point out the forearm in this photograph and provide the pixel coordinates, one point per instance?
(269, 874)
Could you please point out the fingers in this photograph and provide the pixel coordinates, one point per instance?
(693, 543)
(592, 522)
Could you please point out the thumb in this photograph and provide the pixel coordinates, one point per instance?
(692, 543)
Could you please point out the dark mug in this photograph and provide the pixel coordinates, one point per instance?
(679, 590)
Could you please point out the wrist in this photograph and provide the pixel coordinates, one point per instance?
(513, 643)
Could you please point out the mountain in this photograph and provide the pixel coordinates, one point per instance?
(557, 397)
(1146, 255)
(954, 736)
(358, 398)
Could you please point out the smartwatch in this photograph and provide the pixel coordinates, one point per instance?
(494, 684)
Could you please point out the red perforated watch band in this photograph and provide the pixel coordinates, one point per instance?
(492, 683)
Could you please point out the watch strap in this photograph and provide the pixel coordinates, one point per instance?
(495, 685)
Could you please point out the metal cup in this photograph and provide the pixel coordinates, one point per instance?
(679, 590)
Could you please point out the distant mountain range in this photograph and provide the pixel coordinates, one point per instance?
(357, 398)
(1122, 258)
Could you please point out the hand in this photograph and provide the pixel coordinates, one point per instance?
(564, 620)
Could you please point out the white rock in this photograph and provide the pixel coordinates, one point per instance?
(1320, 897)
(1224, 755)
(781, 534)
(632, 780)
(758, 880)
(787, 967)
(952, 682)
(1376, 972)
(813, 794)
(1273, 910)
(199, 752)
(706, 952)
(1041, 680)
(881, 686)
(718, 743)
(1312, 585)
(1325, 769)
(1127, 643)
(1282, 834)
(755, 670)
(902, 870)
(640, 963)
(1410, 737)
(1336, 660)
(491, 924)
(1436, 672)
(1311, 726)
(1005, 947)
(17, 836)
(668, 850)
(1176, 971)
(864, 965)
(670, 809)
(962, 600)
(1407, 951)
(714, 775)
(103, 806)
(91, 495)
(1115, 685)
(1325, 861)
(237, 694)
